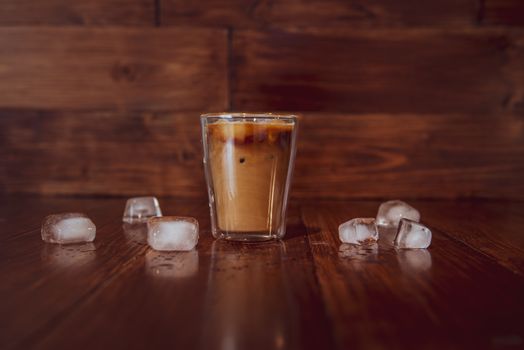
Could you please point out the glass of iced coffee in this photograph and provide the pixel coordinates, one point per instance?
(248, 160)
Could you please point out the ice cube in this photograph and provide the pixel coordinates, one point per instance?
(139, 209)
(172, 233)
(390, 213)
(68, 228)
(412, 234)
(357, 231)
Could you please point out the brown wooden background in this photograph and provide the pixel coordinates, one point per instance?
(400, 98)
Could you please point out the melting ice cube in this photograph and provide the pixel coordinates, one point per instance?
(68, 228)
(357, 231)
(390, 213)
(412, 234)
(172, 233)
(139, 209)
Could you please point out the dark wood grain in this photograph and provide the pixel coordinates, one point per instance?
(449, 296)
(113, 68)
(339, 155)
(293, 318)
(307, 292)
(281, 13)
(22, 214)
(414, 71)
(503, 12)
(90, 93)
(254, 296)
(78, 12)
(55, 278)
(409, 156)
(515, 71)
(104, 153)
(492, 227)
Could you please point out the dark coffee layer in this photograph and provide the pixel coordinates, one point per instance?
(246, 132)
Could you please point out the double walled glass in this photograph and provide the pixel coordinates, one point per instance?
(248, 161)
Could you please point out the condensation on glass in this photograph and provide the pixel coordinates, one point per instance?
(248, 160)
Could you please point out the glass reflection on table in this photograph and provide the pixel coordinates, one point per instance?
(241, 275)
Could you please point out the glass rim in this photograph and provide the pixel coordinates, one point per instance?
(249, 115)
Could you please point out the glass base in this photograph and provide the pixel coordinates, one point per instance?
(247, 237)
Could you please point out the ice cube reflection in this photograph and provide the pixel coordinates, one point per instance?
(73, 256)
(171, 264)
(414, 260)
(359, 256)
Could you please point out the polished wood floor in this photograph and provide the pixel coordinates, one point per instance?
(308, 291)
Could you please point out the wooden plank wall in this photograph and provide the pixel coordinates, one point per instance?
(403, 99)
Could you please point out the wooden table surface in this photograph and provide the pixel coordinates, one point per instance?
(307, 291)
